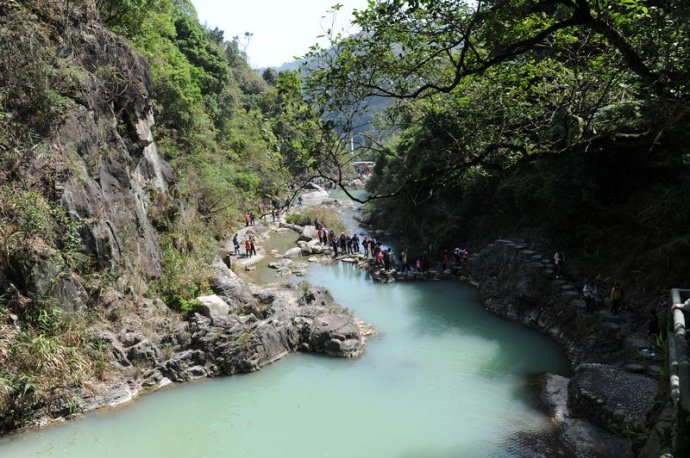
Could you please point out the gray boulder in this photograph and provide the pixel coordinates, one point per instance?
(292, 252)
(213, 307)
(307, 234)
(614, 399)
(144, 351)
(336, 335)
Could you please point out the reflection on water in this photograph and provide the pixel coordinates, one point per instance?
(444, 378)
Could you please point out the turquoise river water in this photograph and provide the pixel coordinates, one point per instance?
(443, 378)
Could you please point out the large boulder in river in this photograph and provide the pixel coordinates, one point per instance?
(336, 335)
(307, 234)
(292, 252)
(616, 400)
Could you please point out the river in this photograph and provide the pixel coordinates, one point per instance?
(443, 378)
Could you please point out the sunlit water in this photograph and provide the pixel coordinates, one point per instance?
(443, 378)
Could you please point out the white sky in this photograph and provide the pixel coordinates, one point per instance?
(282, 29)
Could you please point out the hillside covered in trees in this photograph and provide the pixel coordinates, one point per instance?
(132, 139)
(560, 122)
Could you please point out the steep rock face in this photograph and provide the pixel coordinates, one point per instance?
(115, 168)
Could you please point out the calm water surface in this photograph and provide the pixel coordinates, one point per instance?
(443, 378)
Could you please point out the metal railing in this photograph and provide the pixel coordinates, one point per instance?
(679, 372)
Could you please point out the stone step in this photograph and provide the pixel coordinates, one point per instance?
(579, 303)
(635, 368)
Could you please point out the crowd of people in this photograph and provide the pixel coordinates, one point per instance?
(371, 247)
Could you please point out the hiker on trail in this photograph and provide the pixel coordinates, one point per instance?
(252, 246)
(334, 244)
(589, 291)
(317, 224)
(616, 296)
(324, 236)
(251, 218)
(236, 244)
(558, 261)
(355, 243)
(348, 244)
(365, 244)
(247, 248)
(343, 243)
(418, 265)
(403, 260)
(246, 218)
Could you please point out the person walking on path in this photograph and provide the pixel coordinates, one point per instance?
(236, 244)
(589, 291)
(616, 297)
(252, 246)
(247, 248)
(558, 261)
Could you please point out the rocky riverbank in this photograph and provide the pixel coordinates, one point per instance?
(239, 328)
(613, 398)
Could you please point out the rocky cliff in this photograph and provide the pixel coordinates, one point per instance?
(614, 396)
(83, 185)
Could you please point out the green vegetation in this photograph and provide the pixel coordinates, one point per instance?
(326, 215)
(564, 121)
(235, 141)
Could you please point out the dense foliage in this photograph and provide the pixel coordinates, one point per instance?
(560, 120)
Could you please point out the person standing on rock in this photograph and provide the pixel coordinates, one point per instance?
(558, 261)
(403, 260)
(365, 244)
(387, 259)
(379, 258)
(236, 244)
